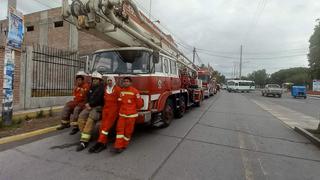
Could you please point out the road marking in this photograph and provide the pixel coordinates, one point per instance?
(245, 160)
(263, 170)
(253, 141)
(27, 135)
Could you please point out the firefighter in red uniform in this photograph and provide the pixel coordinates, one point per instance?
(109, 114)
(130, 102)
(75, 106)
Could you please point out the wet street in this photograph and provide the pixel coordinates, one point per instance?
(231, 136)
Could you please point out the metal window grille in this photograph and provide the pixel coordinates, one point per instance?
(54, 71)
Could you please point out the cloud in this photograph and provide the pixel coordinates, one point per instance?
(284, 27)
(278, 28)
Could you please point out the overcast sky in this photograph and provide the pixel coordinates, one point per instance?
(274, 33)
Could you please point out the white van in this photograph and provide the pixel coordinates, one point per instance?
(240, 86)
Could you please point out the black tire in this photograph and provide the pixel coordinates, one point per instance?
(179, 112)
(167, 114)
(279, 95)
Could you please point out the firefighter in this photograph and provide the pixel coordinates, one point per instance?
(75, 106)
(109, 114)
(91, 114)
(130, 102)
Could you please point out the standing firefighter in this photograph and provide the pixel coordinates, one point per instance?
(75, 106)
(130, 102)
(91, 114)
(109, 114)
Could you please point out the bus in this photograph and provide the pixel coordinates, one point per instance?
(240, 86)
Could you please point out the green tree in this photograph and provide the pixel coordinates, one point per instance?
(314, 52)
(298, 76)
(259, 77)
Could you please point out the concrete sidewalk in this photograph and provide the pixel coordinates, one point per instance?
(33, 113)
(314, 96)
(288, 116)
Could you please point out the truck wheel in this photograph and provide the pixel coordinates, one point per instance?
(167, 114)
(279, 95)
(179, 112)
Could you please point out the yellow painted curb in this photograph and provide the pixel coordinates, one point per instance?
(27, 135)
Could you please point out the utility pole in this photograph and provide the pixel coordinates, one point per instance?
(240, 67)
(194, 55)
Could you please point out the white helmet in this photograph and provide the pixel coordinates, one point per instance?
(97, 75)
(81, 73)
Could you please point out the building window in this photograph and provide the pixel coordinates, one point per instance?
(30, 28)
(58, 24)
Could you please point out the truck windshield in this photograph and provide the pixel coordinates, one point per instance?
(122, 62)
(204, 78)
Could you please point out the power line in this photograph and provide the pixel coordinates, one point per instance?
(163, 26)
(223, 53)
(260, 8)
(253, 58)
(277, 57)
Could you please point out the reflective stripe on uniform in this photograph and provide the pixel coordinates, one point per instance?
(105, 132)
(125, 138)
(64, 122)
(119, 136)
(85, 136)
(128, 116)
(127, 93)
(74, 123)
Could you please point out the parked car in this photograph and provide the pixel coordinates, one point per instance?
(272, 89)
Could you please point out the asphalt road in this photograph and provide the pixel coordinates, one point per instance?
(229, 137)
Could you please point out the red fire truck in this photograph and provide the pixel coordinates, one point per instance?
(208, 82)
(167, 80)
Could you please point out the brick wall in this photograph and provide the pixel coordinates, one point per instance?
(16, 81)
(89, 43)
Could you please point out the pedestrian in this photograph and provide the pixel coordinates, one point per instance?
(72, 109)
(91, 114)
(130, 102)
(109, 114)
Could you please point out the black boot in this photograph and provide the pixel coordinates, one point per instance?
(74, 131)
(63, 126)
(82, 146)
(98, 147)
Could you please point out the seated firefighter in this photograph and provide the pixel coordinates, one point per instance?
(91, 114)
(75, 106)
(109, 114)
